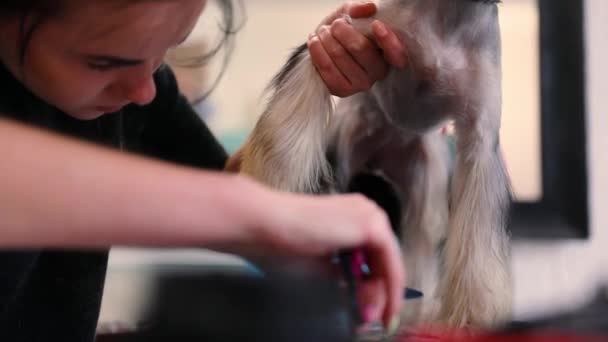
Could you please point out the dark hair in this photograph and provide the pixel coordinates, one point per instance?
(229, 26)
(32, 13)
(36, 11)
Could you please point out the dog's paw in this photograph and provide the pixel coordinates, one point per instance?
(478, 295)
(474, 314)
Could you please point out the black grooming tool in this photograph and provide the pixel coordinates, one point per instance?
(380, 190)
(196, 305)
(345, 263)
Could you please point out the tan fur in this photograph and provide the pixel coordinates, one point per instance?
(454, 74)
(286, 149)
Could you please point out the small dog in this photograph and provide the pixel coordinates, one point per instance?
(453, 210)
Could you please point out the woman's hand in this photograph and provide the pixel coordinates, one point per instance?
(109, 198)
(347, 60)
(317, 226)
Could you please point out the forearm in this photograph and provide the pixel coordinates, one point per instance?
(61, 193)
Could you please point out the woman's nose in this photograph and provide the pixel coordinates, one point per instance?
(141, 92)
(138, 85)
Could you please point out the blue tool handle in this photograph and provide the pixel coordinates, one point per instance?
(412, 294)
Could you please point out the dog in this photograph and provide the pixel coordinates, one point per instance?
(454, 206)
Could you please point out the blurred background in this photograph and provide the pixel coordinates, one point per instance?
(549, 274)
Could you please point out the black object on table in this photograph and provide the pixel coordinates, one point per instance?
(219, 307)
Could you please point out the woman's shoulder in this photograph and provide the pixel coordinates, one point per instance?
(167, 88)
(165, 79)
(168, 101)
(170, 128)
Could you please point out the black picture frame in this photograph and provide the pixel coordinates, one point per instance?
(562, 212)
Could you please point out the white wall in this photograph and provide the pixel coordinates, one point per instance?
(553, 276)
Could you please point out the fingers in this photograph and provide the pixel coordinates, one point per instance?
(346, 222)
(395, 52)
(341, 71)
(395, 286)
(386, 263)
(347, 60)
(336, 81)
(361, 9)
(363, 51)
(372, 299)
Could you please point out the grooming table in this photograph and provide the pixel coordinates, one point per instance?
(187, 305)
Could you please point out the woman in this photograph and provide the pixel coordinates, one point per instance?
(93, 71)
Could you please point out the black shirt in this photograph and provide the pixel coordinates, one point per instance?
(56, 295)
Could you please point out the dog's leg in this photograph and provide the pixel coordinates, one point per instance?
(476, 287)
(426, 216)
(419, 166)
(420, 169)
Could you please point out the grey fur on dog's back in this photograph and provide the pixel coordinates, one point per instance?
(454, 73)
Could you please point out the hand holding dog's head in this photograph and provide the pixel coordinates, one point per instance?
(453, 47)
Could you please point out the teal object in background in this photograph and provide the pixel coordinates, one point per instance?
(232, 141)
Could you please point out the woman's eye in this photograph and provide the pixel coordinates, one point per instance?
(100, 66)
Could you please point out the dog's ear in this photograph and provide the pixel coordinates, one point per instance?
(380, 190)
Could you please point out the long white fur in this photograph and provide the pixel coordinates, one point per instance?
(287, 150)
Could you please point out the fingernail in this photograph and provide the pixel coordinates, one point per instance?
(365, 3)
(380, 29)
(369, 313)
(348, 19)
(394, 326)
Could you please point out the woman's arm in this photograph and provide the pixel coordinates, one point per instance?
(59, 192)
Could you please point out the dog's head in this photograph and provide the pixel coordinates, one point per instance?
(454, 52)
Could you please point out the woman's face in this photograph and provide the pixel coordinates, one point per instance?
(98, 56)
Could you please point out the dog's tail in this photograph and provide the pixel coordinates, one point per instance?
(286, 149)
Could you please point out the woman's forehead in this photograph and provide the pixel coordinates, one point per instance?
(140, 25)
